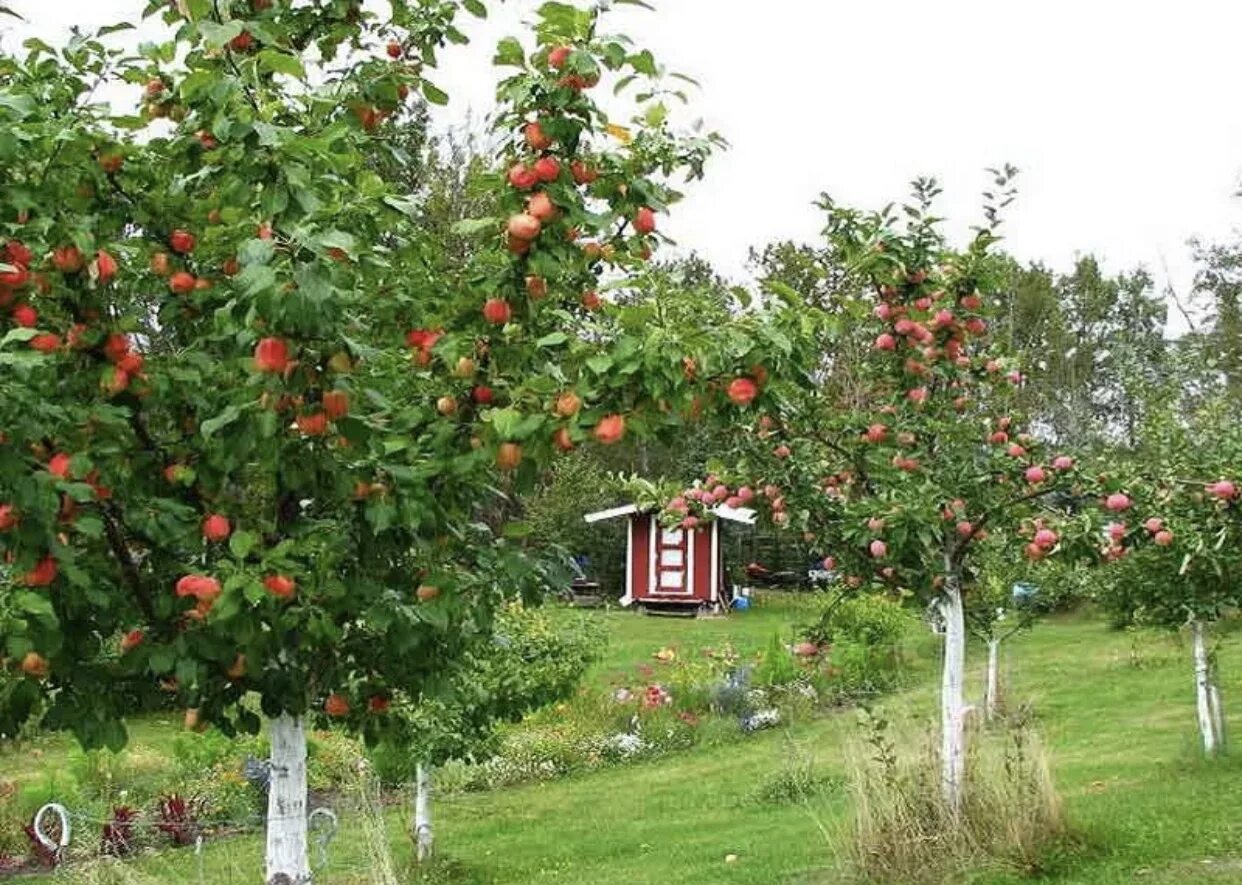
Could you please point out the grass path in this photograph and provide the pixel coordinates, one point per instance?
(1116, 713)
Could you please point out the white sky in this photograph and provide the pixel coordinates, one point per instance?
(1121, 115)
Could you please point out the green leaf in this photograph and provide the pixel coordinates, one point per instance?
(505, 421)
(281, 63)
(434, 93)
(225, 418)
(552, 339)
(35, 604)
(509, 52)
(241, 543)
(90, 526)
(161, 660)
(269, 136)
(407, 206)
(216, 36)
(599, 364)
(18, 334)
(517, 530)
(468, 227)
(475, 8)
(23, 105)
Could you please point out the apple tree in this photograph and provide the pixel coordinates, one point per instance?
(909, 465)
(1176, 550)
(250, 421)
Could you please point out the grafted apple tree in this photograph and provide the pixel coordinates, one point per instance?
(247, 418)
(1177, 551)
(908, 479)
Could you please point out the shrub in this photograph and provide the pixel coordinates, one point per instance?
(777, 667)
(333, 760)
(864, 634)
(903, 831)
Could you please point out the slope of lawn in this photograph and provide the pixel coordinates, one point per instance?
(1116, 711)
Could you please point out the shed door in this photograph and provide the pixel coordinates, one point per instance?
(674, 570)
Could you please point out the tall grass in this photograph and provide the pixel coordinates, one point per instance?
(902, 830)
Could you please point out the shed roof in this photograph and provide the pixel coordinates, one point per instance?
(743, 515)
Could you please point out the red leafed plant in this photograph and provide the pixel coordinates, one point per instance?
(46, 857)
(179, 818)
(118, 833)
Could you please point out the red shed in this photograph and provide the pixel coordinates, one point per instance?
(672, 568)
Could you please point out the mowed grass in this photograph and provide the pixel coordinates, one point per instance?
(1116, 711)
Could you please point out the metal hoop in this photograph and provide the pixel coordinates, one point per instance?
(324, 833)
(61, 812)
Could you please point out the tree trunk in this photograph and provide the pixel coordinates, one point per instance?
(423, 836)
(1218, 713)
(992, 692)
(952, 703)
(286, 804)
(1203, 686)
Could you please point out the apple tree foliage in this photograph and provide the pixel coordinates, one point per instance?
(250, 421)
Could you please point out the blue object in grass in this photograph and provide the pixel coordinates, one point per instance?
(741, 603)
(1024, 592)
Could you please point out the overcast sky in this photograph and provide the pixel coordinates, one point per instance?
(1121, 115)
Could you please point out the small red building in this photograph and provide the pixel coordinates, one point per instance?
(672, 568)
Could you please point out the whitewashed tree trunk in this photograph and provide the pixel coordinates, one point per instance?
(1203, 687)
(1218, 713)
(423, 834)
(286, 803)
(952, 697)
(992, 692)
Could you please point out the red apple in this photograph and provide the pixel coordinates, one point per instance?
(524, 227)
(271, 355)
(497, 311)
(181, 241)
(216, 528)
(541, 207)
(610, 429)
(508, 456)
(742, 391)
(535, 137)
(1117, 502)
(547, 169)
(182, 282)
(280, 586)
(644, 221)
(522, 177)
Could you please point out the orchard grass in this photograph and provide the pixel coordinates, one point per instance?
(1115, 710)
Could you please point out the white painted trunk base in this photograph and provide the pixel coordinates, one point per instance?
(423, 836)
(991, 695)
(1207, 693)
(952, 697)
(287, 855)
(1218, 713)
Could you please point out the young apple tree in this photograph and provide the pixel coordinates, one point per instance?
(906, 463)
(1178, 548)
(248, 414)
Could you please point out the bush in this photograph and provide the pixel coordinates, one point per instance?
(777, 666)
(864, 634)
(903, 831)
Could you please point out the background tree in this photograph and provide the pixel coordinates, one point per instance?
(1177, 567)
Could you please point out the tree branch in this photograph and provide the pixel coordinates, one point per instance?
(116, 540)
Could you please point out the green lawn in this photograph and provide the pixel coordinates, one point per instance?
(1116, 711)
